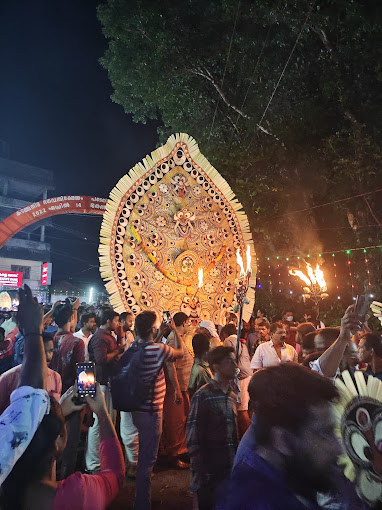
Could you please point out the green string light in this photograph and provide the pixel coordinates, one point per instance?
(348, 251)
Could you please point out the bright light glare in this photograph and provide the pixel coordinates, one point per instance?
(91, 295)
(240, 262)
(200, 277)
(249, 269)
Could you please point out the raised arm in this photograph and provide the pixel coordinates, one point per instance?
(30, 318)
(28, 406)
(178, 342)
(49, 314)
(162, 331)
(330, 360)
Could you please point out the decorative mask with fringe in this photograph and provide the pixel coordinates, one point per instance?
(168, 217)
(359, 418)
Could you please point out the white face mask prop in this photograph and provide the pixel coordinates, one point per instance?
(360, 426)
(289, 318)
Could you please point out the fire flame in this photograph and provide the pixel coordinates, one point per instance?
(315, 277)
(200, 277)
(249, 269)
(240, 262)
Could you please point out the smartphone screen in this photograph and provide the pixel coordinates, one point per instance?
(361, 307)
(86, 379)
(166, 317)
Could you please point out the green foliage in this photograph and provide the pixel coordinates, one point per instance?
(211, 68)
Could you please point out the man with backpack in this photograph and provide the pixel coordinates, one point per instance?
(140, 387)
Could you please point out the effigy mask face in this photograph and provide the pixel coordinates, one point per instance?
(171, 215)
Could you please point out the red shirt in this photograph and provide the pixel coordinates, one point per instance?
(101, 344)
(68, 350)
(6, 352)
(93, 492)
(291, 338)
(10, 379)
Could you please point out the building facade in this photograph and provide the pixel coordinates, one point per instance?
(21, 185)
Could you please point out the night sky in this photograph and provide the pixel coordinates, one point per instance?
(56, 113)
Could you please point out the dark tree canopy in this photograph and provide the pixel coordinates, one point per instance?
(283, 96)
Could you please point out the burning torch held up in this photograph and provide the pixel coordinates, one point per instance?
(241, 287)
(315, 287)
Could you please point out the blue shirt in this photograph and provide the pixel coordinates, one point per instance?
(18, 350)
(255, 485)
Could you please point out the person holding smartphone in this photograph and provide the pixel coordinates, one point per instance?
(148, 418)
(177, 400)
(32, 484)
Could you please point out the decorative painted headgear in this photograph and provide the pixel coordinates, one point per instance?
(172, 214)
(359, 414)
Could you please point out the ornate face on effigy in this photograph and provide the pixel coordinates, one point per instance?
(170, 216)
(187, 266)
(184, 222)
(359, 413)
(362, 438)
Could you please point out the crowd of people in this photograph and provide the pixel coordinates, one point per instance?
(250, 418)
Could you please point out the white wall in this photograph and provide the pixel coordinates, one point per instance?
(35, 271)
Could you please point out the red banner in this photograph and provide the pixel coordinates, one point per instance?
(46, 275)
(11, 279)
(70, 204)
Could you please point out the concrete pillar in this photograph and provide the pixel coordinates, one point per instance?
(45, 194)
(42, 236)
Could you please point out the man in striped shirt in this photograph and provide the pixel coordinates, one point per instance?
(148, 419)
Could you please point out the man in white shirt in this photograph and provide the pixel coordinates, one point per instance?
(88, 327)
(275, 351)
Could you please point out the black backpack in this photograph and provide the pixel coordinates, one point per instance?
(128, 390)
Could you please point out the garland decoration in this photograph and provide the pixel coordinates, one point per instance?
(171, 215)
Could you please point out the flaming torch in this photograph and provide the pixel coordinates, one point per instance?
(315, 285)
(200, 281)
(200, 277)
(241, 291)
